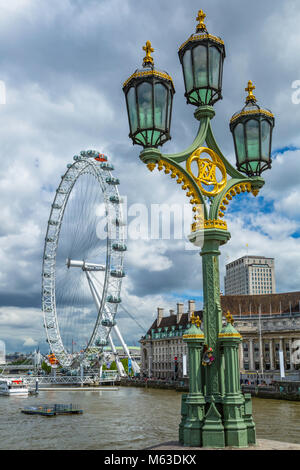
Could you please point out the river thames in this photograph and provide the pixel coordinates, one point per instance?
(128, 418)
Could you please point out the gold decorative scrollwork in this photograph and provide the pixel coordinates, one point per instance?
(234, 191)
(207, 178)
(175, 172)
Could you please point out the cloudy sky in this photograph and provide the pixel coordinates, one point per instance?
(63, 64)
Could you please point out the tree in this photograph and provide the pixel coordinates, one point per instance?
(46, 368)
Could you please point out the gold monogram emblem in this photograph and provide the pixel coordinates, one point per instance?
(207, 179)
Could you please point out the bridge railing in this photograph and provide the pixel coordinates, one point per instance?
(70, 379)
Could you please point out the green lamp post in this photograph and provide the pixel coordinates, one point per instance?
(217, 414)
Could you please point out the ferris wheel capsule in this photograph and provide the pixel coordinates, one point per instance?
(101, 157)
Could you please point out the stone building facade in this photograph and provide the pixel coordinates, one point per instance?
(268, 324)
(163, 343)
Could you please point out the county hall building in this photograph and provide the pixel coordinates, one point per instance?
(268, 323)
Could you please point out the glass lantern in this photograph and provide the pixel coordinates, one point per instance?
(202, 57)
(252, 134)
(149, 95)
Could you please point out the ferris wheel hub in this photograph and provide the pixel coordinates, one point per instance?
(72, 263)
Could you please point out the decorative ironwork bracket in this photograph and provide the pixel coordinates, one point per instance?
(205, 184)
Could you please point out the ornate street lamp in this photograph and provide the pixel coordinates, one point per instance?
(149, 95)
(215, 413)
(252, 134)
(202, 57)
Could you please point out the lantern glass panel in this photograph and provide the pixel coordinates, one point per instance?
(240, 142)
(200, 65)
(252, 135)
(131, 103)
(144, 93)
(265, 140)
(188, 71)
(169, 109)
(155, 137)
(160, 106)
(214, 66)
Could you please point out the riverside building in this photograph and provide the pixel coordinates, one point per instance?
(163, 350)
(268, 324)
(250, 275)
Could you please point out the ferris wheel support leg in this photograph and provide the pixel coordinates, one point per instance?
(119, 364)
(94, 292)
(135, 366)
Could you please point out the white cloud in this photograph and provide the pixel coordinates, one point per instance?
(21, 327)
(289, 204)
(285, 250)
(30, 342)
(149, 255)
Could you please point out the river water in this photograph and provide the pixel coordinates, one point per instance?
(127, 418)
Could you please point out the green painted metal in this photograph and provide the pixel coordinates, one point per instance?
(212, 313)
(203, 114)
(183, 417)
(213, 429)
(251, 433)
(190, 433)
(215, 413)
(235, 428)
(152, 155)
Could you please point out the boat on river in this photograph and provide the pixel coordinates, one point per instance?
(52, 410)
(13, 387)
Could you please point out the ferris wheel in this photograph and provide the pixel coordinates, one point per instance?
(83, 262)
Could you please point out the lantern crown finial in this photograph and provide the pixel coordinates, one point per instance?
(229, 318)
(201, 16)
(148, 59)
(250, 89)
(195, 320)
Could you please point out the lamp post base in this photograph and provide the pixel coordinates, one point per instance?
(213, 429)
(227, 424)
(192, 430)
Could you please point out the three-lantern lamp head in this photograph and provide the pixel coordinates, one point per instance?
(149, 95)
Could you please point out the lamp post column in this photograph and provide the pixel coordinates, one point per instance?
(193, 403)
(214, 385)
(212, 313)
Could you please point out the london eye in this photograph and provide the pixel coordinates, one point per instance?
(83, 262)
